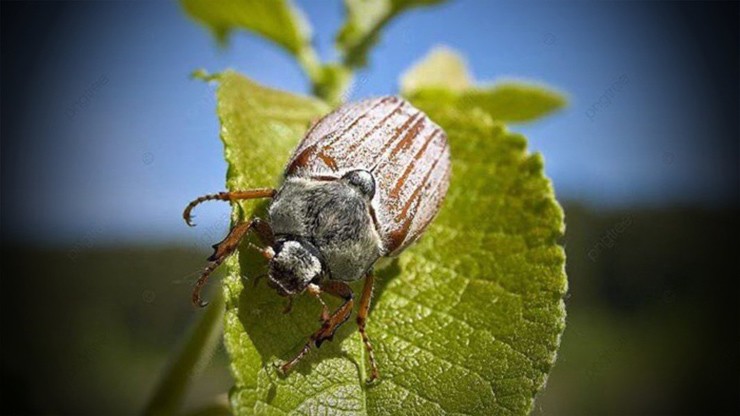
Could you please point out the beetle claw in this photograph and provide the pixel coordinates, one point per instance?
(372, 380)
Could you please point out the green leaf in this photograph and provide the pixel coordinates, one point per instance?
(442, 69)
(468, 320)
(276, 20)
(365, 19)
(441, 79)
(508, 102)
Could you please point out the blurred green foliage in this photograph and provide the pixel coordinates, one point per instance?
(88, 330)
(653, 318)
(282, 23)
(442, 80)
(365, 21)
(276, 20)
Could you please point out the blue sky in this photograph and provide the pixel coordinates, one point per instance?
(146, 140)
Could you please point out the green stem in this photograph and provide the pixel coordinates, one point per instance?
(329, 81)
(194, 353)
(310, 63)
(355, 57)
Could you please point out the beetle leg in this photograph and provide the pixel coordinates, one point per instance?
(315, 291)
(225, 248)
(227, 196)
(264, 232)
(367, 294)
(330, 326)
(340, 316)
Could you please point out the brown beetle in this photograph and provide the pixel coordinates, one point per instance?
(363, 183)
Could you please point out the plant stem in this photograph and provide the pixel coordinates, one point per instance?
(310, 63)
(194, 353)
(329, 81)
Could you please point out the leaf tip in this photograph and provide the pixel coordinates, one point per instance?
(442, 68)
(203, 75)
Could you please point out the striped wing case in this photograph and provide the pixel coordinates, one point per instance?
(407, 153)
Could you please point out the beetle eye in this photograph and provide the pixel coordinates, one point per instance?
(363, 181)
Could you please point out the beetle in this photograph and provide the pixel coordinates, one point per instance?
(364, 183)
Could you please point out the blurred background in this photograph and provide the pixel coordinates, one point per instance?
(105, 139)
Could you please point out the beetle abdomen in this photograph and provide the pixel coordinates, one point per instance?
(406, 152)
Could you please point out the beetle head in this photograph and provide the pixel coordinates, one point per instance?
(295, 264)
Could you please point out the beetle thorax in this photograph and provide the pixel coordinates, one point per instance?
(332, 216)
